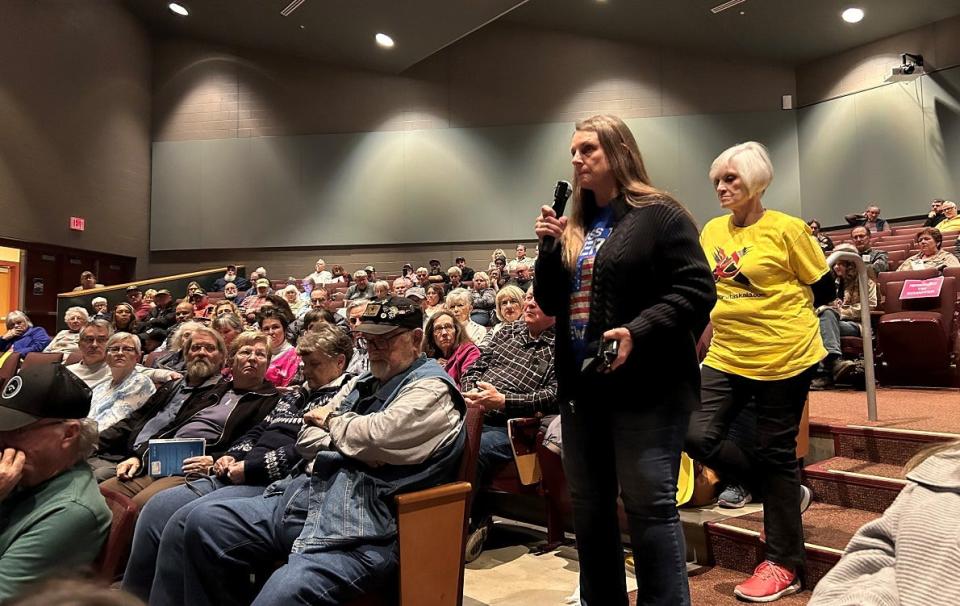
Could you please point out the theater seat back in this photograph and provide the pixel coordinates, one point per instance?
(112, 560)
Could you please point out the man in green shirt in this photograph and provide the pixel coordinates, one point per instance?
(52, 516)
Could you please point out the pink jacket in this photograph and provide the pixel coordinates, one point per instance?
(462, 359)
(283, 368)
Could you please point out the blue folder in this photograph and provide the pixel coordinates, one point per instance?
(166, 456)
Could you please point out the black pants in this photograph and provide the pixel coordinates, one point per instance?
(772, 463)
(607, 449)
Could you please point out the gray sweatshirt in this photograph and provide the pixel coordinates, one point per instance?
(911, 555)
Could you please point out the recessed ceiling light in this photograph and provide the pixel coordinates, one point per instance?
(178, 9)
(852, 15)
(384, 40)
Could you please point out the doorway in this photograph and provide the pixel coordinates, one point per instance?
(9, 280)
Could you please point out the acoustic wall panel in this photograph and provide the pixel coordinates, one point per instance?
(440, 185)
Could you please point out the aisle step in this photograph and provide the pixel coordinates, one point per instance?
(855, 483)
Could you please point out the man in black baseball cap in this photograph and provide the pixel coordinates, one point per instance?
(48, 497)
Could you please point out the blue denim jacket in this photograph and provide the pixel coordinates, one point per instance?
(351, 503)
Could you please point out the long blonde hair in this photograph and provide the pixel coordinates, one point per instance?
(626, 164)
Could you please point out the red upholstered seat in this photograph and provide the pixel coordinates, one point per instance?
(38, 357)
(112, 560)
(917, 337)
(9, 367)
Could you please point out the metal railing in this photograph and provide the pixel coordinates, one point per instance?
(866, 328)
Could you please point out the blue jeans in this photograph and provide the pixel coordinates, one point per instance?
(610, 449)
(832, 328)
(158, 538)
(494, 451)
(225, 541)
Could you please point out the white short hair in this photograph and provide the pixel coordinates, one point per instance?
(751, 160)
(455, 271)
(121, 336)
(98, 300)
(80, 311)
(459, 295)
(15, 316)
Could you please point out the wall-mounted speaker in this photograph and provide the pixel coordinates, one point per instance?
(786, 102)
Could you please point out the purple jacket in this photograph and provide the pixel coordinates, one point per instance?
(462, 359)
(35, 339)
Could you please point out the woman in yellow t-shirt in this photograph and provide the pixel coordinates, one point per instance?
(766, 346)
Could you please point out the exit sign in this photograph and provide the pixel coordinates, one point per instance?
(78, 223)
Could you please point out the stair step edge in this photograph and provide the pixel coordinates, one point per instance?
(755, 534)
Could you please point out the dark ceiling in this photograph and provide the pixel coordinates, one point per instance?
(341, 31)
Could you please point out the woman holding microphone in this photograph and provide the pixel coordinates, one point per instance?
(627, 270)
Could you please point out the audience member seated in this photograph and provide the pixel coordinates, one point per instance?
(125, 319)
(291, 294)
(381, 290)
(522, 260)
(500, 264)
(252, 303)
(869, 219)
(225, 306)
(496, 254)
(320, 275)
(514, 377)
(361, 288)
(92, 368)
(229, 325)
(499, 278)
(400, 286)
(875, 258)
(202, 309)
(445, 340)
(466, 272)
(339, 275)
(908, 556)
(153, 338)
(458, 302)
(935, 216)
(231, 277)
(140, 307)
(318, 301)
(254, 278)
(315, 318)
(929, 243)
(233, 295)
(437, 275)
(265, 454)
(284, 362)
(454, 278)
(126, 390)
(175, 357)
(951, 222)
(360, 362)
(22, 336)
(149, 295)
(841, 318)
(371, 273)
(101, 309)
(524, 279)
(824, 241)
(483, 299)
(423, 278)
(433, 301)
(509, 307)
(164, 312)
(67, 341)
(220, 417)
(395, 430)
(87, 281)
(53, 517)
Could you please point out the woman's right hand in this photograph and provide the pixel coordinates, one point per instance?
(548, 225)
(128, 468)
(220, 467)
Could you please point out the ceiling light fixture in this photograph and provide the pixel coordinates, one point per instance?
(384, 40)
(291, 7)
(852, 15)
(178, 9)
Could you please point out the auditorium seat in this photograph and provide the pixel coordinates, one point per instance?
(895, 276)
(112, 560)
(896, 257)
(432, 526)
(73, 358)
(35, 358)
(8, 366)
(917, 337)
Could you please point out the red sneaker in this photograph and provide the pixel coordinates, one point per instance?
(769, 582)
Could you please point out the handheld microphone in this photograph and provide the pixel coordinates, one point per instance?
(560, 195)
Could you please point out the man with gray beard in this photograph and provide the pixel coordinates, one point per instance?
(202, 375)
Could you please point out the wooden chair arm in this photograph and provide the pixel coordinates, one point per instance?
(432, 532)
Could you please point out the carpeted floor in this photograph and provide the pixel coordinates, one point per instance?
(883, 470)
(917, 409)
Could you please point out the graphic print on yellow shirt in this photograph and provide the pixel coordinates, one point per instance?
(764, 325)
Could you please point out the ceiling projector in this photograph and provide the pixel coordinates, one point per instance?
(910, 68)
